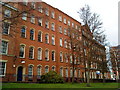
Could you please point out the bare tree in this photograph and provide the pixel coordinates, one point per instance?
(94, 26)
(115, 57)
(74, 45)
(94, 23)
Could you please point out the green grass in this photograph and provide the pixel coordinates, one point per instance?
(65, 85)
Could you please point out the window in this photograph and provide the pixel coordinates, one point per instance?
(61, 42)
(39, 54)
(79, 73)
(30, 71)
(31, 52)
(53, 68)
(66, 58)
(39, 72)
(24, 16)
(7, 13)
(65, 43)
(78, 60)
(39, 36)
(31, 34)
(52, 15)
(70, 58)
(61, 57)
(75, 61)
(4, 47)
(2, 68)
(22, 51)
(65, 31)
(32, 20)
(68, 23)
(53, 40)
(33, 5)
(46, 55)
(75, 72)
(25, 2)
(66, 72)
(23, 32)
(6, 28)
(64, 20)
(72, 24)
(71, 72)
(53, 55)
(46, 24)
(47, 12)
(40, 8)
(46, 69)
(53, 27)
(61, 71)
(46, 38)
(60, 29)
(40, 21)
(60, 18)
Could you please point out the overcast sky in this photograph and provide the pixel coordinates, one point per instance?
(107, 9)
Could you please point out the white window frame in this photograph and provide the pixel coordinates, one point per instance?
(32, 19)
(53, 40)
(8, 29)
(54, 55)
(65, 20)
(60, 18)
(47, 54)
(47, 38)
(61, 42)
(39, 54)
(6, 47)
(4, 61)
(40, 21)
(52, 14)
(23, 51)
(40, 8)
(61, 56)
(53, 26)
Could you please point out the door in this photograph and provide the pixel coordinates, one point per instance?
(19, 73)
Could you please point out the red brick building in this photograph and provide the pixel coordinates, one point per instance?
(37, 43)
(115, 59)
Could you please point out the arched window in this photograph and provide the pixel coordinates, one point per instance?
(53, 55)
(71, 72)
(53, 68)
(61, 71)
(46, 55)
(31, 34)
(31, 52)
(65, 44)
(22, 51)
(46, 38)
(30, 71)
(61, 57)
(39, 69)
(23, 32)
(39, 54)
(66, 72)
(53, 40)
(39, 36)
(46, 69)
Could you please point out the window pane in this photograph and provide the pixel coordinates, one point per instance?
(4, 47)
(5, 28)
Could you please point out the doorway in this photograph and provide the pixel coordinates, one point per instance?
(20, 73)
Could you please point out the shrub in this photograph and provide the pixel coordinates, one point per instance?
(51, 77)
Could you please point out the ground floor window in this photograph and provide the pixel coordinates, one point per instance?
(2, 68)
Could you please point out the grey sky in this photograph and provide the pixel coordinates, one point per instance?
(107, 9)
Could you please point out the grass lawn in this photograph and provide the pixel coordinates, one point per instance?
(65, 85)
